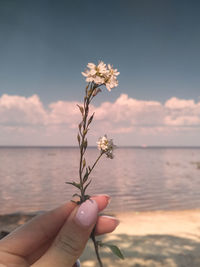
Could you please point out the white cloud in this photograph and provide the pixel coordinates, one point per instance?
(181, 112)
(63, 112)
(176, 103)
(24, 118)
(18, 110)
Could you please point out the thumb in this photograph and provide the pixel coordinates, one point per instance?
(72, 238)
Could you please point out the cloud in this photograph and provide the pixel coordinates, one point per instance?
(63, 112)
(26, 118)
(175, 103)
(18, 110)
(181, 112)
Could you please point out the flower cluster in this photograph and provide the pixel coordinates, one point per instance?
(101, 74)
(106, 146)
(96, 76)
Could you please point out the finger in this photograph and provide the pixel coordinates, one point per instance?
(102, 201)
(72, 238)
(105, 224)
(40, 231)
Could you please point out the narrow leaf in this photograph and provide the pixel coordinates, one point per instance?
(84, 163)
(115, 250)
(80, 126)
(85, 131)
(86, 186)
(85, 176)
(96, 91)
(89, 92)
(86, 88)
(79, 139)
(86, 197)
(90, 119)
(74, 184)
(76, 195)
(81, 109)
(85, 144)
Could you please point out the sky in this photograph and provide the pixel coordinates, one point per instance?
(45, 45)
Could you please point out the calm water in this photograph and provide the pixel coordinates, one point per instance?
(138, 179)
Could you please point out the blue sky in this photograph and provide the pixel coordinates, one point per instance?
(155, 44)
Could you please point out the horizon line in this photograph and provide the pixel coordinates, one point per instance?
(122, 146)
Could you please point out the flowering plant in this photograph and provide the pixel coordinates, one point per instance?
(96, 77)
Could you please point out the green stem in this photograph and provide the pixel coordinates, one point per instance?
(83, 133)
(96, 247)
(87, 101)
(95, 163)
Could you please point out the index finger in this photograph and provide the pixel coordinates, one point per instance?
(36, 232)
(41, 229)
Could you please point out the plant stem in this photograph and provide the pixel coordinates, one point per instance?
(95, 163)
(96, 247)
(83, 128)
(87, 100)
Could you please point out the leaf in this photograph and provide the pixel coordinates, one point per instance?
(89, 92)
(80, 126)
(86, 89)
(81, 109)
(115, 250)
(74, 184)
(86, 186)
(85, 144)
(84, 163)
(76, 195)
(96, 91)
(76, 202)
(90, 119)
(79, 139)
(85, 176)
(85, 131)
(86, 197)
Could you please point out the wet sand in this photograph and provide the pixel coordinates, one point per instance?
(147, 239)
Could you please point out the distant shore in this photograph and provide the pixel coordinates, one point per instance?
(150, 239)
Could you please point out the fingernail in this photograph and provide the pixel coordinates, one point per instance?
(102, 195)
(87, 213)
(108, 198)
(115, 221)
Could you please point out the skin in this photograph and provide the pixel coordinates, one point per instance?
(53, 238)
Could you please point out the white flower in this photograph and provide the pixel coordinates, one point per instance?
(95, 73)
(112, 71)
(107, 146)
(111, 80)
(101, 74)
(101, 68)
(111, 83)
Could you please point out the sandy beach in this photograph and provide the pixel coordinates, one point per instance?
(147, 239)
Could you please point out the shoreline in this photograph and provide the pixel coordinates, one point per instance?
(131, 222)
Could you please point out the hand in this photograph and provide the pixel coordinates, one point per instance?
(56, 238)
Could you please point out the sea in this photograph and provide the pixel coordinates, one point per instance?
(137, 179)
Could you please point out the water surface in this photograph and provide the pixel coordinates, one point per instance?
(137, 179)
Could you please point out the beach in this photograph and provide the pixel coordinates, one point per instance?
(147, 239)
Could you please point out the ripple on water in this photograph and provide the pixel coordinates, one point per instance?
(137, 179)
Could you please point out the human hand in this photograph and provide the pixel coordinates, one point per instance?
(56, 238)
